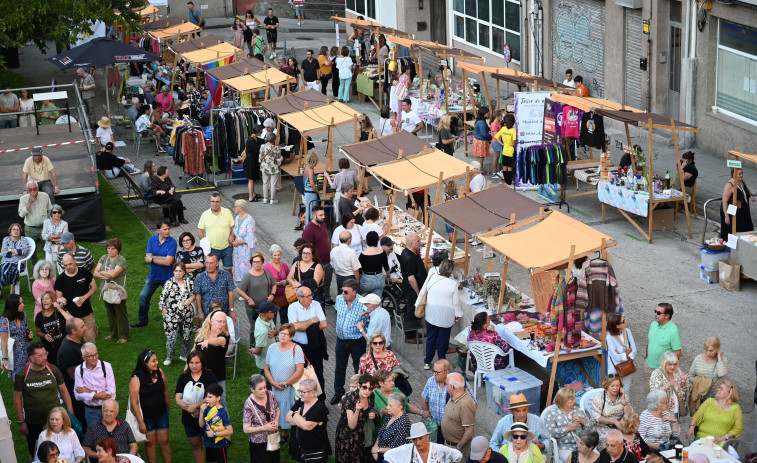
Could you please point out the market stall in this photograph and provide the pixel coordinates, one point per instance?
(217, 54)
(551, 242)
(178, 33)
(162, 23)
(745, 250)
(295, 102)
(258, 81)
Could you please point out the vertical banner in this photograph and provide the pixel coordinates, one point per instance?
(529, 124)
(214, 86)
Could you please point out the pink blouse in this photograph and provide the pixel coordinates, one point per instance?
(278, 275)
(37, 290)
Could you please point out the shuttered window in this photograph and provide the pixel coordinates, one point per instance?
(488, 25)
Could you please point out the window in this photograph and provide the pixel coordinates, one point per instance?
(488, 24)
(366, 8)
(736, 90)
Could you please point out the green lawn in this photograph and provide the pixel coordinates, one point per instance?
(15, 79)
(128, 228)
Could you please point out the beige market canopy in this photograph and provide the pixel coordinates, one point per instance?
(173, 31)
(437, 48)
(163, 23)
(148, 10)
(261, 80)
(587, 104)
(321, 118)
(211, 53)
(420, 171)
(372, 26)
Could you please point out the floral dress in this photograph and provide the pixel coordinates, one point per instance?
(21, 336)
(9, 265)
(350, 443)
(676, 395)
(178, 319)
(491, 337)
(395, 434)
(244, 230)
(556, 420)
(603, 405)
(367, 367)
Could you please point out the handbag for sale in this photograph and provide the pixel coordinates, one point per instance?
(308, 373)
(131, 420)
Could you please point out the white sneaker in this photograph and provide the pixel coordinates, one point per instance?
(265, 201)
(427, 366)
(274, 201)
(182, 358)
(299, 23)
(167, 362)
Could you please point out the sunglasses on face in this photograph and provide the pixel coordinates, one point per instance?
(345, 291)
(56, 212)
(659, 313)
(366, 387)
(378, 343)
(519, 436)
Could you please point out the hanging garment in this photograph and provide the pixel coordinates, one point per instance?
(592, 130)
(193, 149)
(598, 291)
(557, 114)
(571, 122)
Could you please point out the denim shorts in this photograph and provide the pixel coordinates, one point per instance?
(449, 227)
(225, 255)
(298, 10)
(159, 423)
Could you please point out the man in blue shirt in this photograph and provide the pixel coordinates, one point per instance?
(161, 251)
(349, 341)
(214, 286)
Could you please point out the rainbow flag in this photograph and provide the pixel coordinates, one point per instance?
(214, 86)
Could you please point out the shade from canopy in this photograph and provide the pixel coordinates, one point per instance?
(212, 53)
(173, 31)
(258, 80)
(547, 244)
(295, 102)
(237, 68)
(199, 43)
(163, 23)
(488, 209)
(317, 119)
(588, 104)
(384, 149)
(421, 170)
(640, 118)
(748, 157)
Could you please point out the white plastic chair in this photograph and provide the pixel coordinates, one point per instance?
(485, 354)
(588, 398)
(131, 458)
(23, 266)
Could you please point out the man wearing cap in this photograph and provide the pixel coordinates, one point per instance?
(519, 414)
(265, 332)
(379, 322)
(459, 420)
(349, 341)
(480, 452)
(422, 445)
(81, 254)
(34, 207)
(38, 167)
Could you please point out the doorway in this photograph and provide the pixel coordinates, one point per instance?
(674, 64)
(437, 27)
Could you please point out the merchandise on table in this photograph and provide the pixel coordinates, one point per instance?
(403, 223)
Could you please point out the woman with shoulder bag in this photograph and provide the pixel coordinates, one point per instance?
(621, 347)
(190, 394)
(327, 67)
(112, 268)
(443, 310)
(446, 138)
(308, 418)
(708, 367)
(261, 422)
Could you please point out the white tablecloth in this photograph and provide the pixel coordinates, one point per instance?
(703, 449)
(541, 357)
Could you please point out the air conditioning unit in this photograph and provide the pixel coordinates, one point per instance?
(632, 4)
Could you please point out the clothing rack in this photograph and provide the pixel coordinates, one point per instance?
(261, 113)
(556, 155)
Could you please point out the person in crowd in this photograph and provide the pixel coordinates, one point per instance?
(663, 336)
(481, 135)
(357, 232)
(243, 240)
(608, 408)
(166, 100)
(81, 254)
(519, 414)
(409, 119)
(388, 124)
(385, 386)
(279, 270)
(414, 272)
(270, 160)
(349, 340)
(104, 132)
(345, 176)
(479, 99)
(378, 357)
(658, 427)
(110, 165)
(44, 280)
(347, 202)
(251, 24)
(447, 139)
(743, 215)
(261, 418)
(161, 253)
(586, 444)
(112, 267)
(310, 186)
(148, 396)
(14, 325)
(196, 377)
(35, 393)
(583, 91)
(345, 260)
(395, 431)
(94, 382)
(53, 229)
(569, 79)
(34, 207)
(345, 67)
(434, 395)
(176, 303)
(214, 286)
(150, 169)
(615, 452)
(316, 232)
(218, 223)
(213, 340)
(495, 125)
(421, 445)
(519, 446)
(239, 29)
(257, 286)
(69, 357)
(709, 367)
(442, 311)
(690, 172)
(49, 113)
(286, 67)
(215, 419)
(372, 223)
(271, 25)
(355, 411)
(106, 450)
(49, 324)
(309, 321)
(191, 255)
(672, 381)
(145, 124)
(307, 272)
(58, 430)
(109, 426)
(39, 168)
(284, 364)
(265, 332)
(252, 163)
(395, 273)
(74, 288)
(459, 419)
(481, 452)
(564, 421)
(479, 331)
(508, 137)
(163, 191)
(8, 104)
(133, 112)
(375, 266)
(720, 416)
(629, 426)
(478, 182)
(401, 84)
(326, 68)
(379, 324)
(311, 72)
(309, 416)
(620, 345)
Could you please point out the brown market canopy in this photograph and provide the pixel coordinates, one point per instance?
(237, 69)
(437, 48)
(372, 26)
(195, 44)
(421, 170)
(163, 23)
(295, 102)
(748, 157)
(521, 79)
(488, 209)
(384, 149)
(321, 118)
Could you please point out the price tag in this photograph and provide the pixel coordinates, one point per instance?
(733, 241)
(443, 62)
(733, 164)
(731, 209)
(666, 193)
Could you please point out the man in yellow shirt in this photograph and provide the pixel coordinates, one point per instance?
(217, 224)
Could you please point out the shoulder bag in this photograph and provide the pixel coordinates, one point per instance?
(274, 438)
(10, 358)
(307, 373)
(131, 420)
(624, 368)
(289, 292)
(420, 308)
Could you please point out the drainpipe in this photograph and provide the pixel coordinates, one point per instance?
(532, 39)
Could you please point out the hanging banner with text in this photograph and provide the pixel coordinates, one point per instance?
(529, 123)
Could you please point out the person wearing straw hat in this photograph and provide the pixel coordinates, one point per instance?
(519, 414)
(422, 450)
(520, 448)
(104, 133)
(481, 452)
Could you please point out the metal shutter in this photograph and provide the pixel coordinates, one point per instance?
(634, 50)
(386, 13)
(578, 42)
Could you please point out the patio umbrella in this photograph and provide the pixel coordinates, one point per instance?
(101, 51)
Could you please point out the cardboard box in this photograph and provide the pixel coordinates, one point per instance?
(663, 220)
(708, 275)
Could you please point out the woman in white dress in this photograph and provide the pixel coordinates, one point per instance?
(27, 104)
(620, 345)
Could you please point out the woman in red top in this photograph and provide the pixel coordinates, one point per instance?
(479, 331)
(384, 358)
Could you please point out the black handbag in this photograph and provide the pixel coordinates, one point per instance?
(400, 382)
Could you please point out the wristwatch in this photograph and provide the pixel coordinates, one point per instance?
(231, 309)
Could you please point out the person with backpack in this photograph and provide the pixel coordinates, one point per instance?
(94, 382)
(35, 393)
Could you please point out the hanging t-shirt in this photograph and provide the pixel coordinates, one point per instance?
(592, 130)
(571, 122)
(557, 112)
